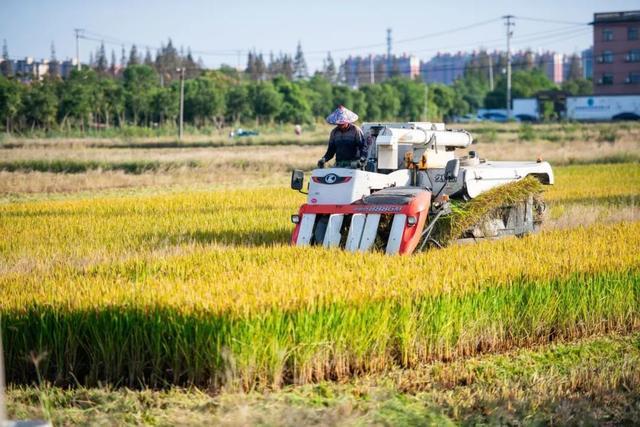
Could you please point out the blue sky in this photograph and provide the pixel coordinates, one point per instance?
(219, 29)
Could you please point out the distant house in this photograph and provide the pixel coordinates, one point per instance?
(29, 69)
(616, 50)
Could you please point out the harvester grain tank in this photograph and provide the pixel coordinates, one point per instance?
(411, 178)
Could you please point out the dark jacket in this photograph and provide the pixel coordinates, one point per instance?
(347, 145)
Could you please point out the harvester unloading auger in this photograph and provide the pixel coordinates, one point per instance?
(403, 199)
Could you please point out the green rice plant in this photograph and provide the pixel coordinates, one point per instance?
(265, 317)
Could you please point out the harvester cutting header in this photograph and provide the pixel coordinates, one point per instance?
(400, 181)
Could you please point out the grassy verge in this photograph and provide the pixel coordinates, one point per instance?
(78, 166)
(592, 382)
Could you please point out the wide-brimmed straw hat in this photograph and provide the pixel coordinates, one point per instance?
(341, 116)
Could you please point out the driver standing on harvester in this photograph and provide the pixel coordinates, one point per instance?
(346, 141)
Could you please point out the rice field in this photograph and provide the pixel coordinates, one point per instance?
(201, 288)
(587, 382)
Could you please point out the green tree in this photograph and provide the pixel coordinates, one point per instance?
(76, 98)
(320, 96)
(295, 106)
(6, 66)
(300, 71)
(342, 95)
(238, 103)
(165, 104)
(267, 101)
(373, 98)
(412, 96)
(139, 82)
(54, 64)
(203, 100)
(11, 93)
(472, 89)
(41, 104)
(525, 84)
(442, 98)
(134, 56)
(102, 64)
(389, 102)
(448, 102)
(329, 68)
(578, 87)
(359, 103)
(113, 99)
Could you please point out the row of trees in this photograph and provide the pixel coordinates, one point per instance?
(89, 99)
(141, 96)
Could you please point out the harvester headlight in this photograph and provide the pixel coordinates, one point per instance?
(411, 221)
(295, 219)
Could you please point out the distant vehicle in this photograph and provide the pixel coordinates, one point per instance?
(467, 118)
(625, 116)
(244, 132)
(495, 117)
(603, 108)
(525, 109)
(525, 118)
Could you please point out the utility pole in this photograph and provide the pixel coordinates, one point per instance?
(388, 52)
(509, 23)
(78, 32)
(180, 134)
(490, 72)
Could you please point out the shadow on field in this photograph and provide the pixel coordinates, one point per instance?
(224, 237)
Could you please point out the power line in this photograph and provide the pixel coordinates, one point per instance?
(550, 21)
(409, 39)
(509, 23)
(98, 37)
(447, 67)
(563, 35)
(559, 33)
(232, 52)
(118, 42)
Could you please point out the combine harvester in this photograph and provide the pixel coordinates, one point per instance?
(411, 181)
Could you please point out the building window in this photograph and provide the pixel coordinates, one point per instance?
(632, 33)
(634, 78)
(633, 55)
(606, 79)
(606, 57)
(607, 35)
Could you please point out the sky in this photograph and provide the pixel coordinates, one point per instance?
(223, 31)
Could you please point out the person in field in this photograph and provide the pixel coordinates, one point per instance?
(346, 141)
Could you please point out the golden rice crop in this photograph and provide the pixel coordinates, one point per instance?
(594, 184)
(203, 288)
